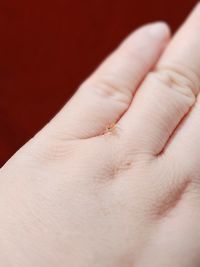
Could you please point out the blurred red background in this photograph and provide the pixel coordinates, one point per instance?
(49, 47)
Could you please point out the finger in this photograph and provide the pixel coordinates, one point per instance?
(168, 92)
(185, 145)
(106, 95)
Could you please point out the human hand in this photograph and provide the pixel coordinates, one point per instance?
(113, 180)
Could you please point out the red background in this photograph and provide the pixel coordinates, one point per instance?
(48, 47)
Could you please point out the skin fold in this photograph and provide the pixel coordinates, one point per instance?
(114, 179)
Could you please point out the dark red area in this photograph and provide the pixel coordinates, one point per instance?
(48, 47)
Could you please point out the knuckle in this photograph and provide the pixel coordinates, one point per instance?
(179, 78)
(109, 88)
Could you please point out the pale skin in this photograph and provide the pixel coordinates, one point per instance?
(114, 179)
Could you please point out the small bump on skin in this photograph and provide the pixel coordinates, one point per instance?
(111, 129)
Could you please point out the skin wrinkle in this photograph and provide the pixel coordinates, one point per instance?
(171, 201)
(117, 170)
(180, 76)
